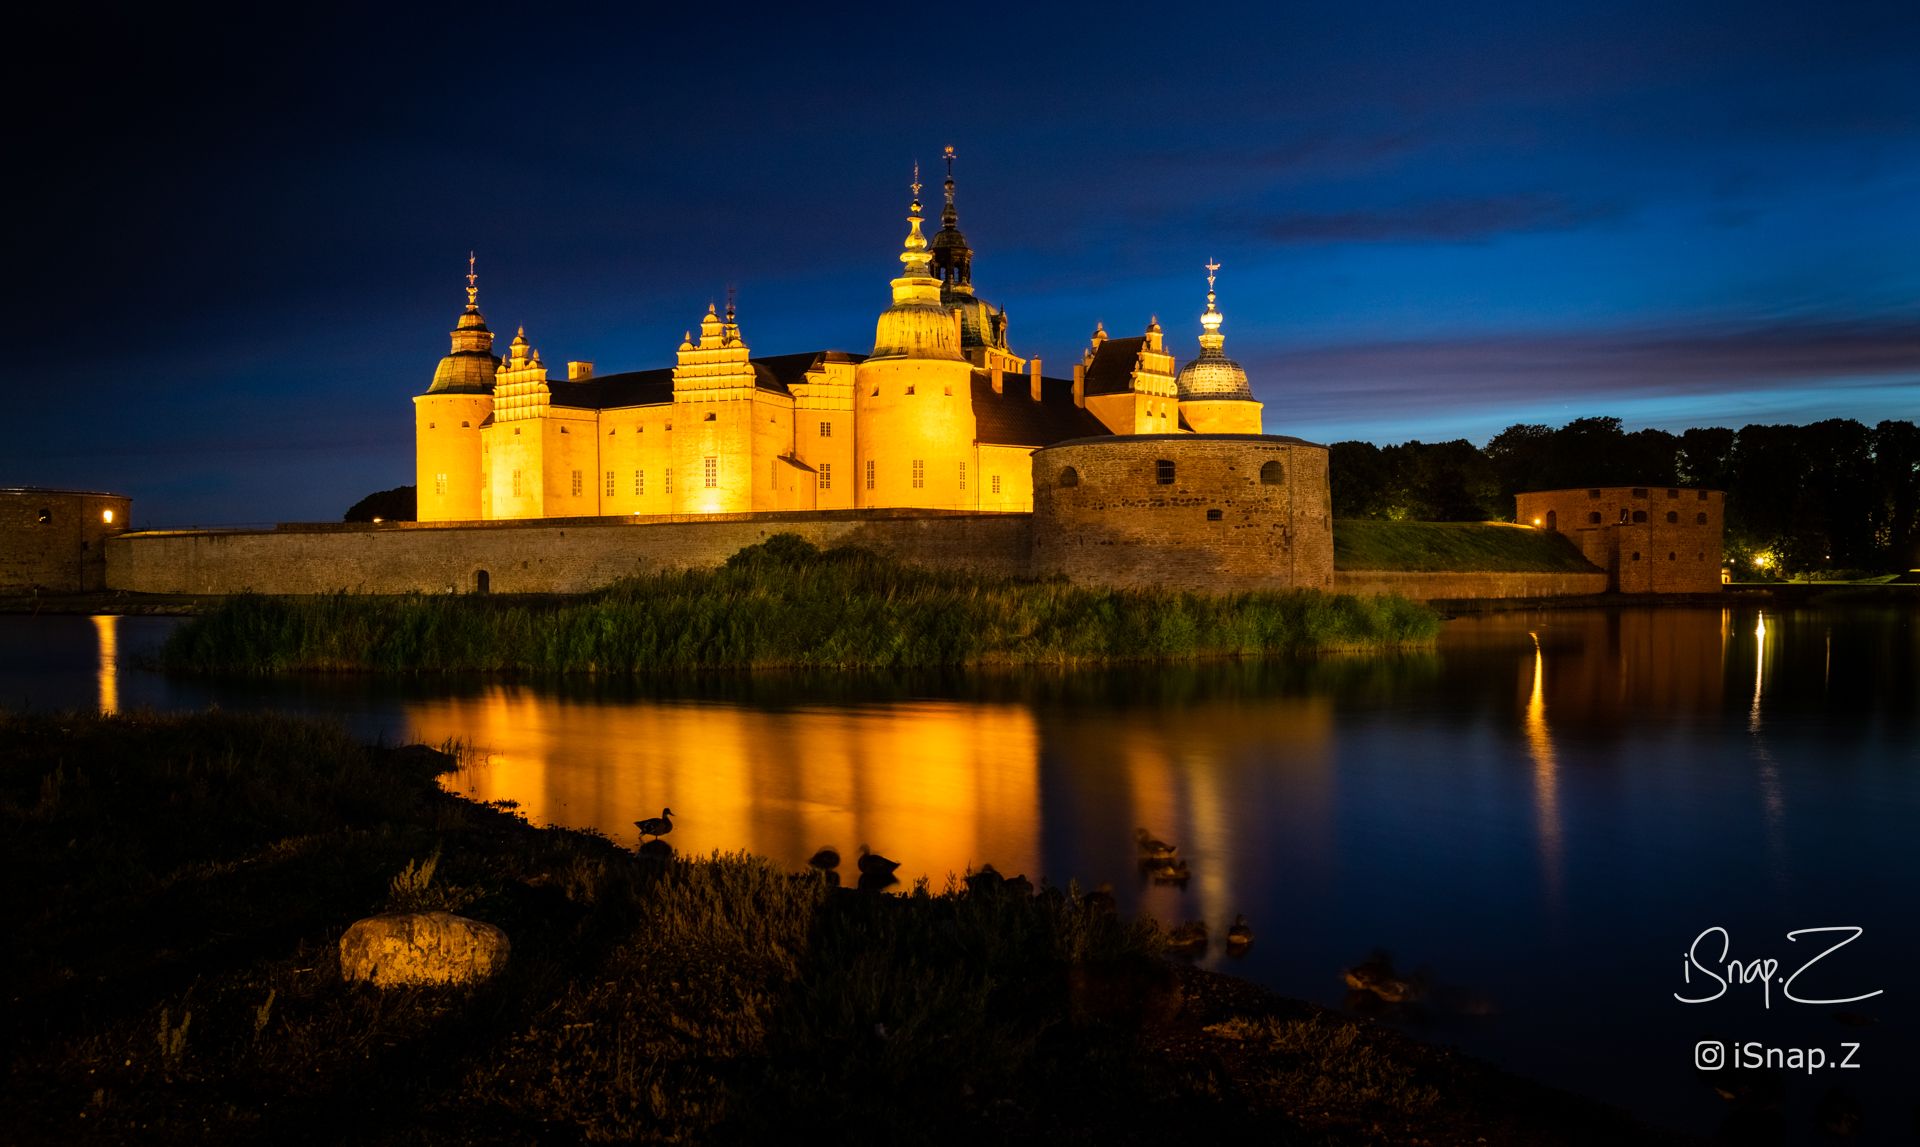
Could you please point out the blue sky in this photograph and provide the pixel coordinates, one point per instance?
(242, 242)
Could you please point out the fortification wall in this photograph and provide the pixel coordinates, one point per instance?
(1213, 513)
(545, 556)
(55, 539)
(1449, 586)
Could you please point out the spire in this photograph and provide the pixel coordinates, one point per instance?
(949, 218)
(473, 287)
(952, 259)
(1211, 338)
(915, 255)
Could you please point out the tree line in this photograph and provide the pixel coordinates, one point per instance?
(1827, 496)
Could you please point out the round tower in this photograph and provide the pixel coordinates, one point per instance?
(913, 397)
(449, 468)
(1214, 395)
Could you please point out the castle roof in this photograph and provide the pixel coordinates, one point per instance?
(775, 373)
(1013, 418)
(1111, 371)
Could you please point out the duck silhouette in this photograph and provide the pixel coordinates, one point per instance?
(873, 864)
(1152, 848)
(827, 859)
(1239, 936)
(1188, 938)
(656, 826)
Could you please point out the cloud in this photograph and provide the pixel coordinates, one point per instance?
(1463, 220)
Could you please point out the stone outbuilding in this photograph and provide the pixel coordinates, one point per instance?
(1649, 539)
(55, 540)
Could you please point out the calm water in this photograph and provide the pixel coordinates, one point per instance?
(1543, 813)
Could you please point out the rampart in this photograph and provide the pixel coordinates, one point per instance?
(1463, 585)
(554, 555)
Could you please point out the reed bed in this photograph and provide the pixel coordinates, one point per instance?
(782, 604)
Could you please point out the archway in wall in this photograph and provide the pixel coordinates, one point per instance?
(1553, 520)
(482, 581)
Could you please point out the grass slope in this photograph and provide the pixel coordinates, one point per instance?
(781, 603)
(1452, 547)
(178, 885)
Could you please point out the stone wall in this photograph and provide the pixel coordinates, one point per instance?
(547, 556)
(1663, 539)
(1459, 586)
(1209, 512)
(55, 539)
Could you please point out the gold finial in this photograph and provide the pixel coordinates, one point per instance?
(949, 158)
(1213, 268)
(730, 295)
(1210, 320)
(916, 184)
(473, 285)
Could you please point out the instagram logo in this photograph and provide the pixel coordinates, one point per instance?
(1709, 1055)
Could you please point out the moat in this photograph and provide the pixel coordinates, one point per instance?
(1543, 812)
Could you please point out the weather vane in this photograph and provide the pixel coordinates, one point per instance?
(473, 283)
(949, 162)
(1212, 269)
(916, 179)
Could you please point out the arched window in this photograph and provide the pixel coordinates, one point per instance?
(1593, 519)
(1272, 474)
(482, 581)
(1069, 477)
(1699, 519)
(1672, 517)
(1163, 472)
(1553, 519)
(1639, 515)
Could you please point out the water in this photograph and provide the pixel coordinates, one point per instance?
(1543, 813)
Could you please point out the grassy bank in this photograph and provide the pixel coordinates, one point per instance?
(1452, 547)
(178, 887)
(781, 603)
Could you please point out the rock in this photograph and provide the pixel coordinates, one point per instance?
(406, 948)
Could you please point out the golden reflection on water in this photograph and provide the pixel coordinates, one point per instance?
(1546, 774)
(106, 633)
(937, 785)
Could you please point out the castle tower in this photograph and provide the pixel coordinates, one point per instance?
(1214, 395)
(447, 452)
(714, 421)
(519, 468)
(983, 327)
(913, 397)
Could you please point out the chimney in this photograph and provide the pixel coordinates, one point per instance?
(1034, 363)
(1080, 384)
(993, 372)
(579, 371)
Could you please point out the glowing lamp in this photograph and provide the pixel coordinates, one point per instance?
(107, 516)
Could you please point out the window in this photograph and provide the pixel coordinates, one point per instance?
(516, 430)
(1214, 515)
(1671, 555)
(431, 425)
(46, 516)
(949, 392)
(639, 481)
(1623, 515)
(610, 486)
(909, 390)
(1673, 493)
(1636, 555)
(1703, 495)
(1593, 519)
(919, 473)
(712, 472)
(1593, 493)
(465, 425)
(1672, 517)
(711, 417)
(773, 474)
(1272, 474)
(669, 480)
(439, 483)
(1163, 472)
(1639, 491)
(576, 483)
(1069, 477)
(826, 474)
(1699, 519)
(564, 430)
(1639, 515)
(869, 473)
(611, 433)
(996, 483)
(516, 483)
(826, 430)
(963, 475)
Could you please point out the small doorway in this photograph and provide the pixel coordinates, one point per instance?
(1553, 521)
(482, 581)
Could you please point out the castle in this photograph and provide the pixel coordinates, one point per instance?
(942, 415)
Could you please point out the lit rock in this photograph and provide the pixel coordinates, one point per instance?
(410, 948)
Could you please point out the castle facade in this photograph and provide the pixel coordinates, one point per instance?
(941, 415)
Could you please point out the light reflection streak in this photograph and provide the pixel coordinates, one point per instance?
(1546, 775)
(106, 632)
(1772, 797)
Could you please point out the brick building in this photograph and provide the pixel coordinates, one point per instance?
(1649, 539)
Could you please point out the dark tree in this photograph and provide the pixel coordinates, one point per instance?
(395, 505)
(1895, 513)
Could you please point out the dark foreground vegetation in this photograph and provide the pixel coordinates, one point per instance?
(782, 603)
(1453, 547)
(1830, 496)
(178, 885)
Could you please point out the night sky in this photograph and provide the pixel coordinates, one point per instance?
(237, 244)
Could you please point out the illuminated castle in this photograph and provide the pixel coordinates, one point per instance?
(941, 415)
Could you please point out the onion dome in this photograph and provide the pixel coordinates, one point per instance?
(1213, 375)
(917, 325)
(469, 368)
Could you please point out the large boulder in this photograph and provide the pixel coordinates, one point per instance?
(408, 948)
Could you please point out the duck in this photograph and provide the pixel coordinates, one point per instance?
(1169, 871)
(1152, 849)
(873, 864)
(1188, 938)
(1378, 978)
(826, 860)
(1239, 936)
(656, 826)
